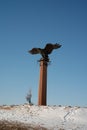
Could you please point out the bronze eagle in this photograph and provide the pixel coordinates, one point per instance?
(45, 51)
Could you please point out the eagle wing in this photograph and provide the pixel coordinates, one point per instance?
(34, 51)
(49, 47)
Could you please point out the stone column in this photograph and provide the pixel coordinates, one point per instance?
(42, 93)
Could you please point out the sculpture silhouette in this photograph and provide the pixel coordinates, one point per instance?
(42, 93)
(45, 51)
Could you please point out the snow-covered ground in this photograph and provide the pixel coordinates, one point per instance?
(50, 117)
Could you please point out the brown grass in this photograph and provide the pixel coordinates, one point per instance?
(5, 107)
(5, 125)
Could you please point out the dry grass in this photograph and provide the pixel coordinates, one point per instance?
(5, 125)
(5, 108)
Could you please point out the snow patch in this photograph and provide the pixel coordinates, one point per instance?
(50, 117)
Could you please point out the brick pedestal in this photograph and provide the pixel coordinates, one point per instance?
(42, 93)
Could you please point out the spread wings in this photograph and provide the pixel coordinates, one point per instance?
(47, 50)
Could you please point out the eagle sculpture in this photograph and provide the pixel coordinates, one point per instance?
(45, 51)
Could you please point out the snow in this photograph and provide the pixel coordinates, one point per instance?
(50, 117)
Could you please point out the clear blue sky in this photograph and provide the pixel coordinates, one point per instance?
(25, 24)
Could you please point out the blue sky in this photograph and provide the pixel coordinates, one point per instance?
(25, 24)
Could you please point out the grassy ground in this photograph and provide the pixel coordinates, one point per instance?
(5, 125)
